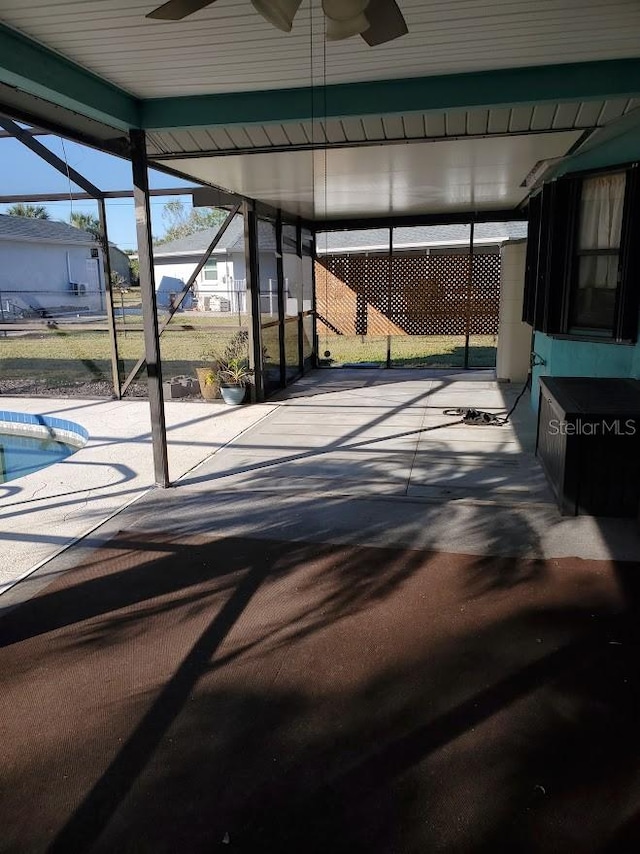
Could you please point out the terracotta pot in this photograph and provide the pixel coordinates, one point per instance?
(209, 385)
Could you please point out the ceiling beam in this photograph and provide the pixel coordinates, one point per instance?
(33, 68)
(581, 81)
(457, 218)
(81, 197)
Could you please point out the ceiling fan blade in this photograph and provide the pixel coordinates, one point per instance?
(386, 22)
(176, 10)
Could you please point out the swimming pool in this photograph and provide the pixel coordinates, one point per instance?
(29, 443)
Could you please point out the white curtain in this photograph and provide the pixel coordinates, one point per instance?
(601, 206)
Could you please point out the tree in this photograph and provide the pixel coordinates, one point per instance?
(86, 222)
(134, 270)
(181, 223)
(31, 211)
(134, 265)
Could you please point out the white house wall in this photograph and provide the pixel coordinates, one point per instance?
(292, 269)
(296, 271)
(39, 275)
(514, 336)
(176, 270)
(231, 270)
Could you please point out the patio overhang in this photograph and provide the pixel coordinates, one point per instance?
(101, 83)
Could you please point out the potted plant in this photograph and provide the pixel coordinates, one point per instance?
(233, 371)
(234, 377)
(209, 382)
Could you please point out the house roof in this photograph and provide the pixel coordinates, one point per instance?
(232, 240)
(370, 239)
(414, 237)
(41, 231)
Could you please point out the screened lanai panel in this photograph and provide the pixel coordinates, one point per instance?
(308, 327)
(352, 282)
(430, 294)
(292, 273)
(268, 302)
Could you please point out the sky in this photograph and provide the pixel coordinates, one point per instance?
(23, 172)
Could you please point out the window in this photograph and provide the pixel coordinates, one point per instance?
(211, 271)
(596, 273)
(583, 257)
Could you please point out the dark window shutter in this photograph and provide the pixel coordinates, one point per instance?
(628, 304)
(531, 264)
(544, 231)
(558, 230)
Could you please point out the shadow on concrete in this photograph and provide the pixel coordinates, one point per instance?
(185, 693)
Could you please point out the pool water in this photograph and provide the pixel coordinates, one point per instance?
(21, 455)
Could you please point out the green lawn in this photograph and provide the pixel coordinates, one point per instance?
(62, 355)
(434, 351)
(68, 354)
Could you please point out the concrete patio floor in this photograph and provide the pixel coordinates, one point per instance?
(331, 635)
(46, 511)
(373, 441)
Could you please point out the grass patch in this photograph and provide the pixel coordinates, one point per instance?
(63, 355)
(67, 354)
(428, 351)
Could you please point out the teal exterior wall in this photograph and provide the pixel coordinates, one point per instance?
(566, 358)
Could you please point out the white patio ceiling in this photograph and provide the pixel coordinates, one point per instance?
(383, 180)
(447, 144)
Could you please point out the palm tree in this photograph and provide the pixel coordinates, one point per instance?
(31, 211)
(85, 222)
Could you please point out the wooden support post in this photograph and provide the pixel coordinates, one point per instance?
(149, 308)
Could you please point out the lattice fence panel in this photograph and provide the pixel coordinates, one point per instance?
(485, 295)
(429, 294)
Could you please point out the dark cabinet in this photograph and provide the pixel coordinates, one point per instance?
(589, 444)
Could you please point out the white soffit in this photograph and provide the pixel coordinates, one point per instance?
(435, 177)
(538, 118)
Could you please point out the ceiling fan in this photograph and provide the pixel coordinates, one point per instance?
(377, 21)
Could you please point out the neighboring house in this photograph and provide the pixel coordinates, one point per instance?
(221, 284)
(119, 262)
(48, 266)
